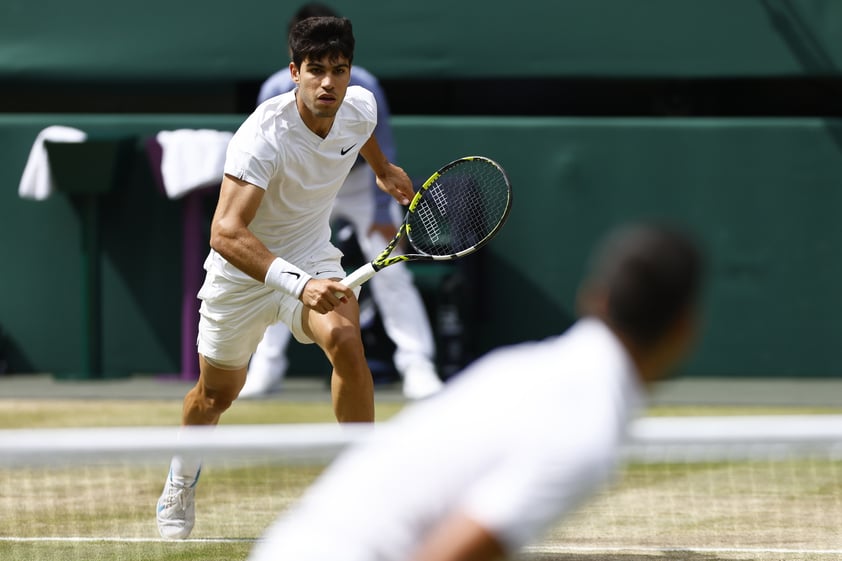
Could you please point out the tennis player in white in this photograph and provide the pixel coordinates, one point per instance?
(371, 212)
(517, 440)
(271, 258)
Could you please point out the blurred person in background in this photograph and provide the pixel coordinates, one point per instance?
(521, 437)
(372, 213)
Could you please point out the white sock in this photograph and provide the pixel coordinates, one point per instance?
(185, 469)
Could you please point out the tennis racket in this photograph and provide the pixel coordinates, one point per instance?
(454, 213)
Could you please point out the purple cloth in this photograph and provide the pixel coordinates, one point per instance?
(193, 249)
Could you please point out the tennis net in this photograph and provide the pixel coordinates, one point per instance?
(702, 488)
(691, 489)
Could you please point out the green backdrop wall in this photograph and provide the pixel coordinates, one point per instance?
(227, 41)
(762, 194)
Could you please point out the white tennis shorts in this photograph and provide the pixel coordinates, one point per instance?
(236, 312)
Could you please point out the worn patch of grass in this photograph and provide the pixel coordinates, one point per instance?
(57, 413)
(111, 551)
(731, 410)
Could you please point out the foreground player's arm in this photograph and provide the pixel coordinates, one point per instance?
(390, 178)
(459, 538)
(232, 239)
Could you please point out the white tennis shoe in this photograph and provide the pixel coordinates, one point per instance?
(177, 509)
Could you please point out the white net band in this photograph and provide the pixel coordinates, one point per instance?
(654, 439)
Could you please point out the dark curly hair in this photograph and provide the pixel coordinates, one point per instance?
(317, 37)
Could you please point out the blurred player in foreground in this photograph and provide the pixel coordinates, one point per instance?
(369, 210)
(520, 438)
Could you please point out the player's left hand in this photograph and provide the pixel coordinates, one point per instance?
(397, 183)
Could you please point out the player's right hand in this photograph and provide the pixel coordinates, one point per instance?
(321, 295)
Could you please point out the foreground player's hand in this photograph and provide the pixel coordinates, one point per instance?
(397, 183)
(321, 295)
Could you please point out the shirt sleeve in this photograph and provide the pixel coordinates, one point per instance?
(538, 484)
(250, 156)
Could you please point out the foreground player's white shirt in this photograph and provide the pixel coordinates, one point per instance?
(300, 171)
(516, 442)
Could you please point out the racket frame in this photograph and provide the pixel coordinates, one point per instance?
(383, 259)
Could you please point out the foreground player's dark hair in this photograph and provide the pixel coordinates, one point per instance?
(318, 37)
(651, 275)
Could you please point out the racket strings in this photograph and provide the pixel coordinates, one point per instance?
(461, 209)
(429, 223)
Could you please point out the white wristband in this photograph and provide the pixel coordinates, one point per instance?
(285, 277)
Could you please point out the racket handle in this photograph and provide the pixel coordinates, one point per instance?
(358, 277)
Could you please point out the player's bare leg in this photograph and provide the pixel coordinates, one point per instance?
(213, 393)
(338, 334)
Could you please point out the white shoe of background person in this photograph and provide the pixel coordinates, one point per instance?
(176, 511)
(420, 380)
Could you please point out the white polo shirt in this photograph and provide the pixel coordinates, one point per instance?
(516, 442)
(300, 171)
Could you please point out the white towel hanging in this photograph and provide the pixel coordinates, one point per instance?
(192, 159)
(36, 182)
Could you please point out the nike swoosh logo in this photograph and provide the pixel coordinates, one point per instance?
(292, 273)
(344, 151)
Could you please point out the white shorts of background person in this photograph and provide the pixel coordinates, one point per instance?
(395, 295)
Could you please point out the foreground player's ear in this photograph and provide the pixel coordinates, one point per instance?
(685, 333)
(592, 302)
(294, 72)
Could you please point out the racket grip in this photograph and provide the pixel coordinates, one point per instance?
(358, 277)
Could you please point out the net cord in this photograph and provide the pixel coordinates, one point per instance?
(651, 440)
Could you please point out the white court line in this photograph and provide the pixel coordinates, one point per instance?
(91, 539)
(550, 548)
